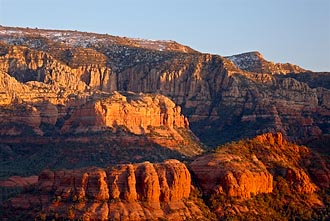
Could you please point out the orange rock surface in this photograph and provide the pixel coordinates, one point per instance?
(232, 175)
(248, 167)
(127, 192)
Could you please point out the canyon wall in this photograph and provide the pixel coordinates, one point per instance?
(242, 94)
(247, 168)
(142, 191)
(236, 179)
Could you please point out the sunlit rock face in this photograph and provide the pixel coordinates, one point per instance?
(248, 168)
(137, 112)
(74, 100)
(238, 173)
(236, 96)
(142, 191)
(153, 116)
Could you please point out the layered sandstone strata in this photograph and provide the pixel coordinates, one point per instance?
(244, 95)
(247, 168)
(142, 191)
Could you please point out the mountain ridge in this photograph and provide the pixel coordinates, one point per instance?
(255, 62)
(76, 106)
(265, 177)
(205, 86)
(86, 39)
(83, 39)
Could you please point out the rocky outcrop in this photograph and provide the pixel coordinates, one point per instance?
(124, 192)
(255, 62)
(245, 168)
(232, 175)
(286, 159)
(234, 179)
(313, 79)
(60, 88)
(75, 70)
(216, 95)
(30, 65)
(137, 112)
(154, 116)
(8, 87)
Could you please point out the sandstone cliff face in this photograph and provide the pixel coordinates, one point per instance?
(38, 90)
(154, 116)
(75, 70)
(45, 82)
(237, 176)
(8, 88)
(192, 81)
(56, 83)
(313, 79)
(217, 97)
(137, 112)
(142, 191)
(29, 65)
(143, 121)
(285, 159)
(232, 175)
(246, 168)
(215, 94)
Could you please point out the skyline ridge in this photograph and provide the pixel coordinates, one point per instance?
(142, 42)
(295, 31)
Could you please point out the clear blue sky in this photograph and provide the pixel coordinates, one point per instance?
(295, 31)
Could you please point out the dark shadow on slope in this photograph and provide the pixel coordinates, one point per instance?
(25, 155)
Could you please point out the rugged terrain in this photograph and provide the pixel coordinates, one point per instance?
(264, 178)
(237, 96)
(84, 112)
(255, 62)
(142, 191)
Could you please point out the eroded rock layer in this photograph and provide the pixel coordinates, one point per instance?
(237, 96)
(247, 168)
(247, 178)
(142, 191)
(259, 177)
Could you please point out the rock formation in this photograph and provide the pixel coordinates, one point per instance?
(260, 171)
(242, 94)
(255, 62)
(154, 116)
(246, 168)
(73, 100)
(138, 113)
(232, 175)
(124, 192)
(236, 179)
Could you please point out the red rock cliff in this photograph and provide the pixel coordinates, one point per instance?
(126, 192)
(248, 167)
(216, 95)
(137, 112)
(232, 175)
(154, 116)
